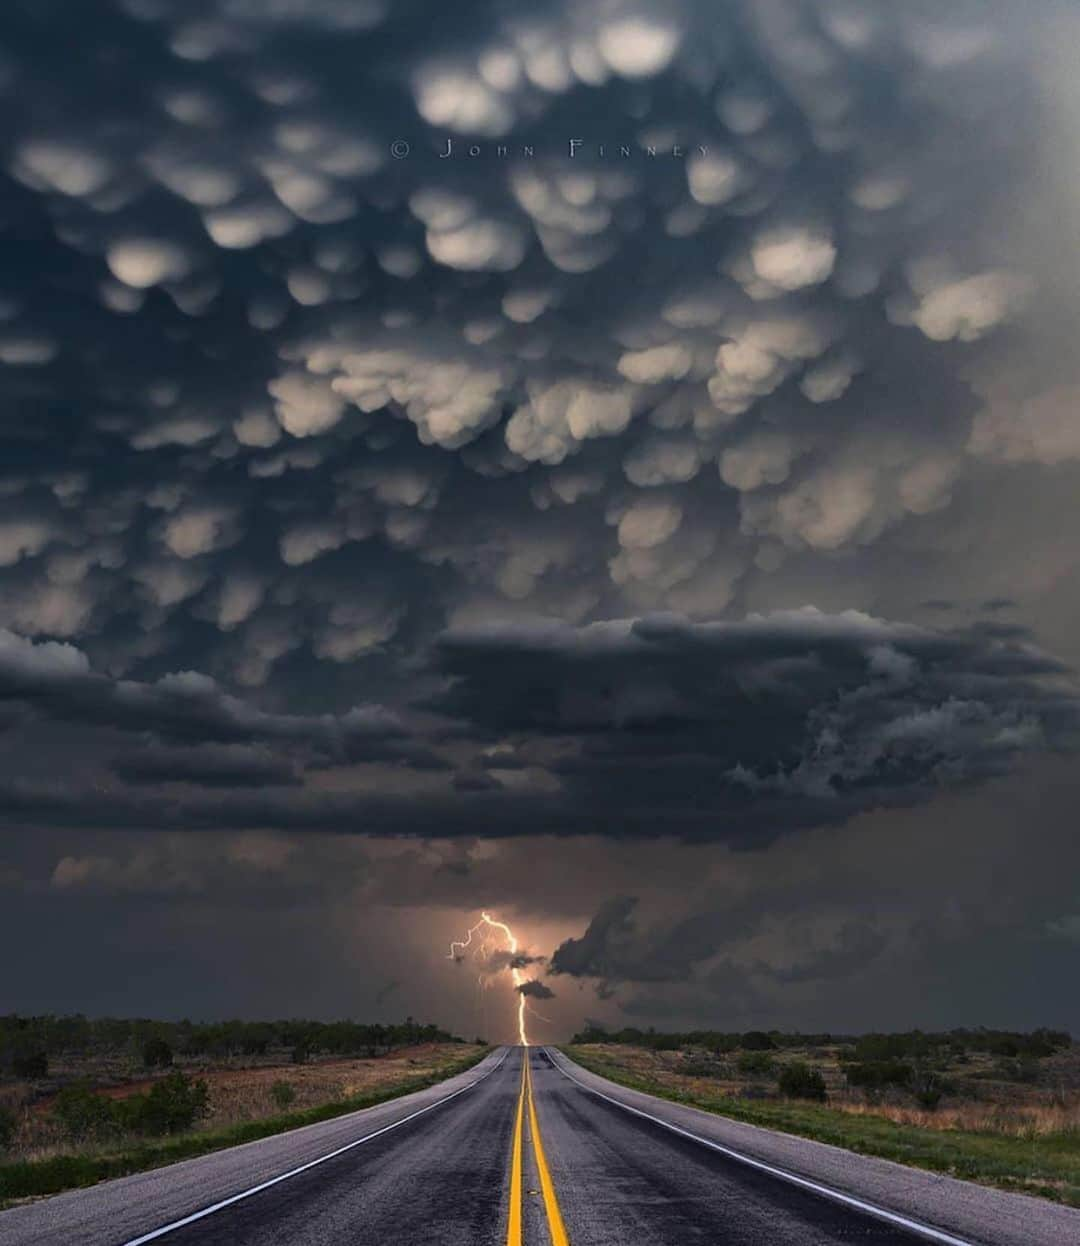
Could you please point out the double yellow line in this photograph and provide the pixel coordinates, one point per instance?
(556, 1228)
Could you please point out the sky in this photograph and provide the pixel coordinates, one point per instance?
(610, 463)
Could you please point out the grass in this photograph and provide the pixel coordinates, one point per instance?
(35, 1178)
(1046, 1164)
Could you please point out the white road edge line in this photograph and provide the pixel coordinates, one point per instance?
(293, 1172)
(837, 1196)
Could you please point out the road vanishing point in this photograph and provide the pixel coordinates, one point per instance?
(529, 1149)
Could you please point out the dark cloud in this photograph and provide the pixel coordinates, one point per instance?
(205, 766)
(56, 680)
(857, 945)
(512, 960)
(278, 410)
(597, 953)
(778, 716)
(535, 989)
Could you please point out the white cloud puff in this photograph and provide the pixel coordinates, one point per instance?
(561, 415)
(23, 538)
(305, 405)
(454, 98)
(663, 460)
(145, 262)
(62, 166)
(760, 358)
(761, 459)
(459, 237)
(639, 46)
(966, 309)
(305, 542)
(199, 531)
(649, 522)
(450, 399)
(793, 258)
(715, 177)
(657, 364)
(830, 379)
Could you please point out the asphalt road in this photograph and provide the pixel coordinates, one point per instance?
(535, 1153)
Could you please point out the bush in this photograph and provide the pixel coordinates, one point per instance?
(300, 1054)
(1023, 1070)
(157, 1054)
(9, 1123)
(757, 1040)
(32, 1065)
(755, 1063)
(875, 1075)
(926, 1088)
(283, 1095)
(172, 1105)
(799, 1081)
(81, 1113)
(704, 1066)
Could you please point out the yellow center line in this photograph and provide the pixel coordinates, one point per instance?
(547, 1187)
(513, 1222)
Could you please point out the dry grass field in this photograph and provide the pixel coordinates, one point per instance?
(1003, 1122)
(976, 1098)
(240, 1090)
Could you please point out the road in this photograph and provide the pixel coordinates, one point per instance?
(527, 1149)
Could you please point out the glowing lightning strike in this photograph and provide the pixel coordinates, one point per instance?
(457, 950)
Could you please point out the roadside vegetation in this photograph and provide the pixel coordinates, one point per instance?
(992, 1106)
(82, 1101)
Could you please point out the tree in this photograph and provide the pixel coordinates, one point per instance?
(172, 1105)
(32, 1065)
(157, 1054)
(9, 1124)
(799, 1081)
(81, 1113)
(757, 1040)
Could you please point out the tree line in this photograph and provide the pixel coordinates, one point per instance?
(866, 1048)
(27, 1041)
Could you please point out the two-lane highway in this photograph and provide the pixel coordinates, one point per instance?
(526, 1150)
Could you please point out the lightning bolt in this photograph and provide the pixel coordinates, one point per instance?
(486, 925)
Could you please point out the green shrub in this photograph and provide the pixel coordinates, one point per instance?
(1022, 1070)
(9, 1123)
(798, 1080)
(927, 1088)
(157, 1054)
(757, 1040)
(755, 1063)
(875, 1075)
(172, 1105)
(81, 1113)
(283, 1095)
(704, 1066)
(33, 1065)
(300, 1054)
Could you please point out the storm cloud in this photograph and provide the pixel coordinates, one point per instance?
(686, 455)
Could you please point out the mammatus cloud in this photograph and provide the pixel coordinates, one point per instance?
(278, 321)
(345, 487)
